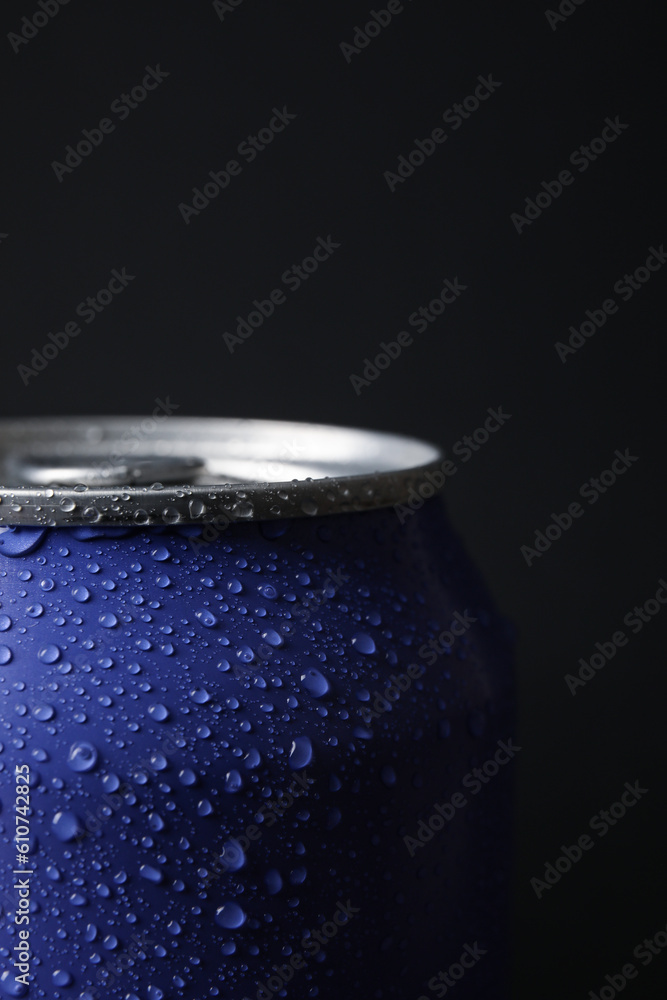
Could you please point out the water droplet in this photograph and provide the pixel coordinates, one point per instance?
(151, 874)
(272, 637)
(232, 855)
(301, 753)
(49, 654)
(5, 623)
(43, 712)
(233, 781)
(315, 683)
(81, 594)
(110, 782)
(82, 756)
(66, 826)
(243, 508)
(200, 696)
(5, 655)
(108, 620)
(274, 882)
(61, 977)
(388, 776)
(155, 822)
(230, 915)
(207, 619)
(10, 987)
(160, 713)
(363, 643)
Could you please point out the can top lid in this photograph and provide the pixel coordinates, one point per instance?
(185, 470)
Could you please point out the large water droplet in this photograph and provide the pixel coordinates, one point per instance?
(232, 855)
(160, 713)
(363, 643)
(10, 987)
(315, 683)
(82, 756)
(233, 781)
(301, 753)
(66, 826)
(199, 695)
(151, 874)
(61, 977)
(49, 654)
(207, 619)
(272, 637)
(388, 776)
(43, 712)
(230, 915)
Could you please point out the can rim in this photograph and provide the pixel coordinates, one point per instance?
(334, 469)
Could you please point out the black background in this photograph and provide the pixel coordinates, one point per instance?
(323, 175)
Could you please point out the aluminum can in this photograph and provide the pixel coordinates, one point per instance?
(257, 718)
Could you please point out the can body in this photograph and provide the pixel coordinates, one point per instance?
(270, 760)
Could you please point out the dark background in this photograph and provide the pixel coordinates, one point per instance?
(323, 175)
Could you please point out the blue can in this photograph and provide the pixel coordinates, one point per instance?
(257, 735)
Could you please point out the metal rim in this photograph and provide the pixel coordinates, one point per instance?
(230, 470)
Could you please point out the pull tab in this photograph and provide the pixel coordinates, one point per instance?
(37, 470)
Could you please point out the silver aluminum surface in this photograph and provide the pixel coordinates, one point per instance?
(187, 470)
